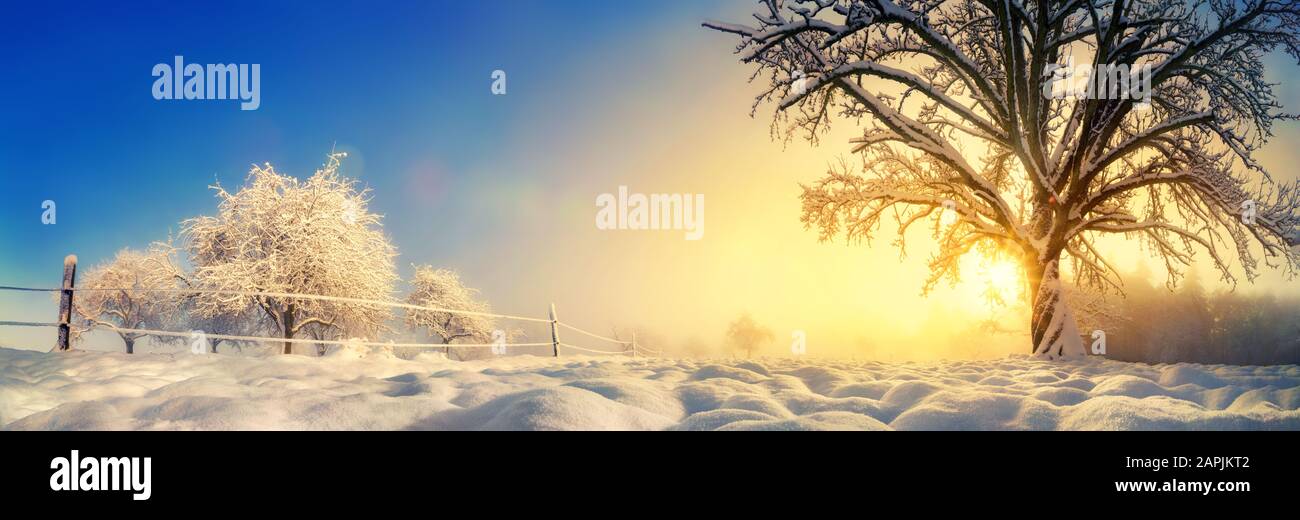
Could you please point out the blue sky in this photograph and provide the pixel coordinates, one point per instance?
(403, 87)
(400, 84)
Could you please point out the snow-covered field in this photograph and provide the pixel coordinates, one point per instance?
(95, 390)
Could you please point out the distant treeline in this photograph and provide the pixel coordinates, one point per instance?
(1154, 325)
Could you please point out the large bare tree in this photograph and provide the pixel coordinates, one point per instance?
(960, 116)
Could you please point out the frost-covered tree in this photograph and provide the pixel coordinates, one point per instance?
(962, 115)
(443, 289)
(112, 294)
(282, 235)
(747, 335)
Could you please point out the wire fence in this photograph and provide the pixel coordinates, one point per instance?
(623, 347)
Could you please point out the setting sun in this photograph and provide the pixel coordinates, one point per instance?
(1000, 279)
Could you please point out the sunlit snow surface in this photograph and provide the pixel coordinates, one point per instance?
(95, 390)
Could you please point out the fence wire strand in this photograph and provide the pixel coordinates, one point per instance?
(652, 352)
(27, 324)
(270, 294)
(228, 337)
(603, 352)
(634, 348)
(27, 289)
(594, 335)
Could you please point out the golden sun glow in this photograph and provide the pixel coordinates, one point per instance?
(995, 279)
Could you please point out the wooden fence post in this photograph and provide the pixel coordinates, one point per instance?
(634, 343)
(555, 333)
(65, 302)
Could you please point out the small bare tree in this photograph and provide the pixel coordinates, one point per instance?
(442, 288)
(940, 82)
(114, 294)
(747, 335)
(281, 235)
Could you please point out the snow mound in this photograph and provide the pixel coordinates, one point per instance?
(372, 389)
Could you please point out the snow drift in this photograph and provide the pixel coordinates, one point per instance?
(93, 390)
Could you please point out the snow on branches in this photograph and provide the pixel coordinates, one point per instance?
(938, 82)
(442, 288)
(113, 294)
(282, 235)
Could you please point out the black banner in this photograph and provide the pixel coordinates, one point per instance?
(236, 471)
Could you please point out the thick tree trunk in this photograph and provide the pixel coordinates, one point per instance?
(130, 345)
(1052, 327)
